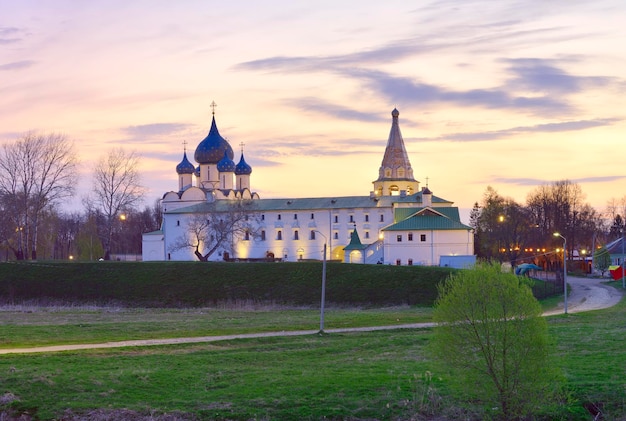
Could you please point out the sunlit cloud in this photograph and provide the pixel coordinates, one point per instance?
(540, 75)
(17, 65)
(325, 108)
(9, 35)
(565, 126)
(156, 129)
(538, 182)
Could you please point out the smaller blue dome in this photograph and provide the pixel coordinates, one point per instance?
(226, 164)
(185, 167)
(242, 167)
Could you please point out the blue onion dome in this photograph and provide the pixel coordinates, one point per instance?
(213, 147)
(185, 167)
(226, 164)
(242, 167)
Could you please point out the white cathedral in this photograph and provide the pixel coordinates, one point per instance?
(397, 223)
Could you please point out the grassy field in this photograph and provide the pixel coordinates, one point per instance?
(27, 326)
(364, 375)
(381, 375)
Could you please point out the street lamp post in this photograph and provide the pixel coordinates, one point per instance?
(623, 256)
(123, 220)
(556, 234)
(323, 299)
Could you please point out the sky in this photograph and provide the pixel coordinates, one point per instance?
(510, 94)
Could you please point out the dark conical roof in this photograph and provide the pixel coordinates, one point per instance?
(242, 167)
(213, 147)
(185, 167)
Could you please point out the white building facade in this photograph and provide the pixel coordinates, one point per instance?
(396, 223)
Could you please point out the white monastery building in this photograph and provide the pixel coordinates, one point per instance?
(397, 223)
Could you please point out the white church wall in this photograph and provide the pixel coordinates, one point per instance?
(398, 247)
(280, 237)
(153, 247)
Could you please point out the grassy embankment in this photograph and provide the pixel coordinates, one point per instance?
(374, 375)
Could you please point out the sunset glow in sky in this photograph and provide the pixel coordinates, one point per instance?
(509, 94)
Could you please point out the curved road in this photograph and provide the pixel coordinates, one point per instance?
(586, 294)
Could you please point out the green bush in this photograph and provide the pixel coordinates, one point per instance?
(197, 284)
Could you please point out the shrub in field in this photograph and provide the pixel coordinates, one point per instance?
(491, 335)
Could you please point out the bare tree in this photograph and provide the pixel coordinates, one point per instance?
(36, 172)
(117, 187)
(214, 228)
(560, 206)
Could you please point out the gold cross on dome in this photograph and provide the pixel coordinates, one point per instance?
(185, 145)
(242, 145)
(213, 105)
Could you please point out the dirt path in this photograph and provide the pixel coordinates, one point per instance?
(586, 294)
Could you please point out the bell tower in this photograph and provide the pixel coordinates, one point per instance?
(395, 174)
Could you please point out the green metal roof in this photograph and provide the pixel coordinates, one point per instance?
(446, 218)
(346, 202)
(400, 214)
(355, 242)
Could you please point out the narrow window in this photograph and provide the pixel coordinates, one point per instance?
(399, 238)
(279, 216)
(422, 237)
(263, 217)
(351, 218)
(312, 235)
(367, 234)
(295, 216)
(336, 236)
(263, 235)
(367, 218)
(336, 218)
(169, 256)
(279, 235)
(410, 236)
(246, 236)
(178, 223)
(296, 236)
(410, 262)
(312, 216)
(382, 218)
(398, 262)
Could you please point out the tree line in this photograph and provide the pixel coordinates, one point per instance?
(506, 230)
(39, 173)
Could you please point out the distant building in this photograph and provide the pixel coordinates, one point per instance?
(396, 223)
(617, 251)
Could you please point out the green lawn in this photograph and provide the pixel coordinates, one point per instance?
(55, 326)
(382, 375)
(365, 375)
